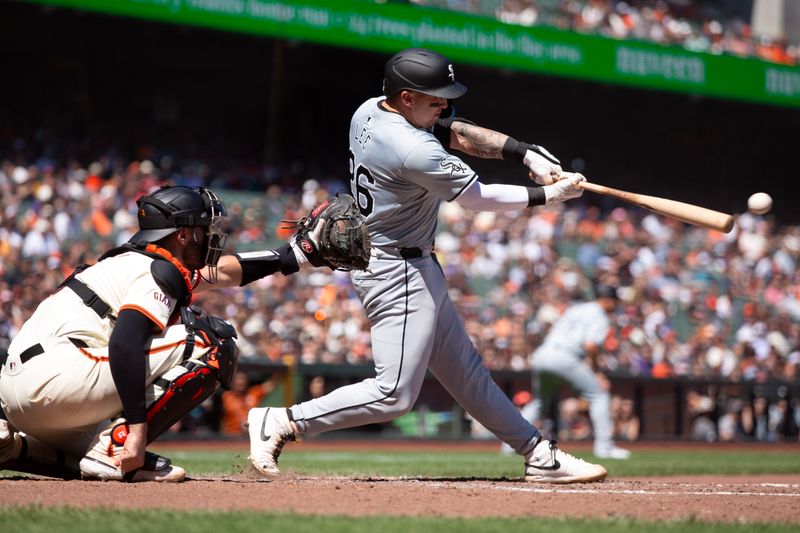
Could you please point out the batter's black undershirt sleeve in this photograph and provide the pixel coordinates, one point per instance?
(127, 352)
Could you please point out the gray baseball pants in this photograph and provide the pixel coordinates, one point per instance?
(414, 327)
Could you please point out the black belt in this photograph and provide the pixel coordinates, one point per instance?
(89, 297)
(37, 349)
(30, 353)
(410, 253)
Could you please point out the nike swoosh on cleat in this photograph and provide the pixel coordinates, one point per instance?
(265, 437)
(556, 466)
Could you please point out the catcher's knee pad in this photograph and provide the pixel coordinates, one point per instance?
(216, 333)
(182, 388)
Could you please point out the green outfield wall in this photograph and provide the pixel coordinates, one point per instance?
(476, 40)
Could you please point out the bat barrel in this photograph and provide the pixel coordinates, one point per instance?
(689, 213)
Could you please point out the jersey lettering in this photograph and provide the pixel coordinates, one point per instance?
(360, 179)
(363, 136)
(162, 298)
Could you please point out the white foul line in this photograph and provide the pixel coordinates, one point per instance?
(540, 490)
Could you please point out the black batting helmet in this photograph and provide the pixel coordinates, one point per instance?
(421, 70)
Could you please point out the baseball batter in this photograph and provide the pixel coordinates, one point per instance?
(569, 353)
(116, 356)
(401, 172)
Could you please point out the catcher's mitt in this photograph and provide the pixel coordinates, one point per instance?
(334, 234)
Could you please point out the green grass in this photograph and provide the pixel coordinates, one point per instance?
(46, 520)
(488, 464)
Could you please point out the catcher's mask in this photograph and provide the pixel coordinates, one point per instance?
(164, 211)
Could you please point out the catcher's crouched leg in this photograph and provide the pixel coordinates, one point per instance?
(179, 390)
(23, 453)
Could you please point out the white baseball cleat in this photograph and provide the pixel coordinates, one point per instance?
(611, 452)
(269, 428)
(100, 466)
(547, 464)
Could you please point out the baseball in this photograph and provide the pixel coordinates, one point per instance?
(759, 203)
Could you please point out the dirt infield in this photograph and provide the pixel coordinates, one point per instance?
(764, 498)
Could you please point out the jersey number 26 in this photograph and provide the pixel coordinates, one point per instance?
(359, 178)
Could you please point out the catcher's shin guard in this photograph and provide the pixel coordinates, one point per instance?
(178, 391)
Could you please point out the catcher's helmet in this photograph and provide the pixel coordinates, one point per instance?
(163, 212)
(421, 70)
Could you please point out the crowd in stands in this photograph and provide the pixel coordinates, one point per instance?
(694, 303)
(697, 26)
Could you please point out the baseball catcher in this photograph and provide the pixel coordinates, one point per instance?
(121, 352)
(118, 350)
(333, 234)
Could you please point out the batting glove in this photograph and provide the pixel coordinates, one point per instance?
(564, 189)
(544, 167)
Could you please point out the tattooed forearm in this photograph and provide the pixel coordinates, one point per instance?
(478, 141)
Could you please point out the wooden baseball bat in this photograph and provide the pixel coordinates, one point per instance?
(689, 213)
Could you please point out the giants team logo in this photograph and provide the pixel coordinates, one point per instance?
(452, 74)
(453, 166)
(163, 299)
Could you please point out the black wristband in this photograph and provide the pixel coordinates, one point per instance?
(257, 265)
(515, 150)
(536, 196)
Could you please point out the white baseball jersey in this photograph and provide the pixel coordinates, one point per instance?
(60, 395)
(581, 323)
(402, 174)
(123, 282)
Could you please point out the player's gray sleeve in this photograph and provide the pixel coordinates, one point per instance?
(439, 172)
